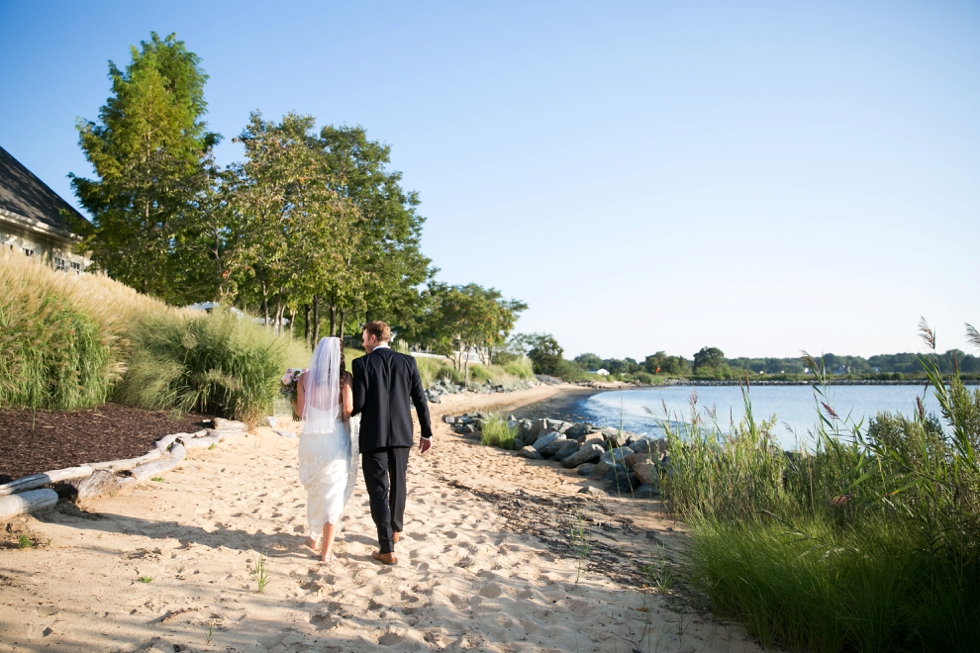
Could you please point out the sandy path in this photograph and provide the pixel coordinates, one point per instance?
(469, 578)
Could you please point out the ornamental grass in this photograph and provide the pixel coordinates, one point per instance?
(217, 364)
(497, 433)
(62, 336)
(868, 541)
(73, 341)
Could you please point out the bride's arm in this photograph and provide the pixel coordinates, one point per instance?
(347, 399)
(299, 401)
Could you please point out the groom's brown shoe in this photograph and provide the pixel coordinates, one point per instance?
(384, 558)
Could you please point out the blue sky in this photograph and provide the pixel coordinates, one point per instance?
(761, 177)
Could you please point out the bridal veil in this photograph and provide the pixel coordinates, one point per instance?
(328, 444)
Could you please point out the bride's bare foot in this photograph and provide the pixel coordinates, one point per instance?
(311, 543)
(327, 558)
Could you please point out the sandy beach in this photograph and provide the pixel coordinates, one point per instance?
(485, 562)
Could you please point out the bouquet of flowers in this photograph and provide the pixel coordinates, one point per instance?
(288, 382)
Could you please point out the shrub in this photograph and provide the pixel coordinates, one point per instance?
(480, 374)
(431, 369)
(644, 377)
(217, 364)
(568, 371)
(496, 433)
(63, 335)
(871, 542)
(521, 368)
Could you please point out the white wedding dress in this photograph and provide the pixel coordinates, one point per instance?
(327, 468)
(328, 444)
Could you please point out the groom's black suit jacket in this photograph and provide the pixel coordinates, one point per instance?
(384, 384)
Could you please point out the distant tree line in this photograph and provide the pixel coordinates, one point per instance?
(710, 363)
(311, 229)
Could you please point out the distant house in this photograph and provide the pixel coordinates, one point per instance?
(601, 372)
(35, 220)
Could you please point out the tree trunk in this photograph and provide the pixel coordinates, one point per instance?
(277, 325)
(306, 327)
(341, 333)
(316, 321)
(265, 302)
(333, 320)
(292, 321)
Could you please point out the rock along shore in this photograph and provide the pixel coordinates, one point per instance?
(629, 464)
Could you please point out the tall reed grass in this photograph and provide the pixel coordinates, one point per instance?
(217, 364)
(497, 433)
(62, 336)
(509, 375)
(74, 341)
(868, 541)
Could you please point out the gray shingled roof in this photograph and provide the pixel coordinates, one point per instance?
(21, 192)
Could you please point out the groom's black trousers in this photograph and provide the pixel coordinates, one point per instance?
(384, 474)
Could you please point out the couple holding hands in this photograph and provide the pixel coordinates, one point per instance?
(366, 414)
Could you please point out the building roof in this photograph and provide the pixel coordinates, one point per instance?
(25, 196)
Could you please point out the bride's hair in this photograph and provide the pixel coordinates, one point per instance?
(345, 376)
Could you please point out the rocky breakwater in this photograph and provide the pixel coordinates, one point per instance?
(444, 387)
(629, 464)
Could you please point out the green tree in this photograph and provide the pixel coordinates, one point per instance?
(588, 361)
(654, 363)
(148, 150)
(294, 236)
(202, 245)
(710, 360)
(462, 319)
(545, 354)
(385, 276)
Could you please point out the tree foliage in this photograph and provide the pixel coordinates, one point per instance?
(545, 353)
(588, 361)
(390, 266)
(149, 150)
(312, 223)
(294, 234)
(709, 360)
(463, 319)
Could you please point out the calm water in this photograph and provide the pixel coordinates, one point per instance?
(794, 406)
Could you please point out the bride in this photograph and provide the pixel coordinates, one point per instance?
(327, 444)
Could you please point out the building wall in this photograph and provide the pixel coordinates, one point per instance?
(33, 243)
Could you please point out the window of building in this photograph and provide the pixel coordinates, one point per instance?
(76, 267)
(28, 251)
(60, 264)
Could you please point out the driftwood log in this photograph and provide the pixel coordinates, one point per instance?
(149, 470)
(106, 478)
(40, 480)
(100, 483)
(129, 463)
(30, 501)
(221, 434)
(205, 442)
(229, 424)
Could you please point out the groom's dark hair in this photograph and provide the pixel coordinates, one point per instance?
(378, 329)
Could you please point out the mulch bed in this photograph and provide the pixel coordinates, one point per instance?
(34, 442)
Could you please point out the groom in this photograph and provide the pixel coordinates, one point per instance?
(384, 384)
